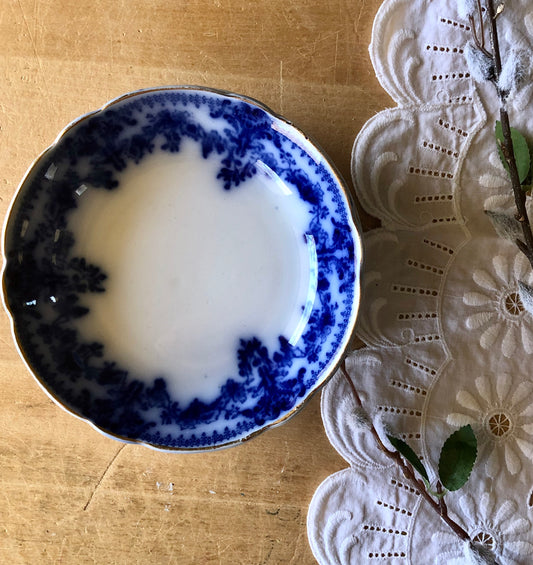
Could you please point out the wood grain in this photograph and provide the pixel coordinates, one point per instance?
(69, 495)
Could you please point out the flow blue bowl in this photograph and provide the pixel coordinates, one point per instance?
(181, 268)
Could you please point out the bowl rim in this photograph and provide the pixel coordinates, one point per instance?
(356, 230)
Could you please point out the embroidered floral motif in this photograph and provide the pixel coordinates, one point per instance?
(495, 176)
(503, 318)
(490, 524)
(416, 167)
(501, 412)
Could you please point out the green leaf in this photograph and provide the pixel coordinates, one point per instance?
(520, 149)
(457, 458)
(410, 455)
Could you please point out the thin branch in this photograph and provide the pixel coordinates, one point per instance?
(495, 42)
(439, 506)
(479, 40)
(442, 502)
(407, 470)
(507, 146)
(481, 25)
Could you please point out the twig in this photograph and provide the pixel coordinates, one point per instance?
(442, 502)
(409, 473)
(479, 41)
(526, 246)
(439, 505)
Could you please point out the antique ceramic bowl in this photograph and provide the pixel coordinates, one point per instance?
(182, 268)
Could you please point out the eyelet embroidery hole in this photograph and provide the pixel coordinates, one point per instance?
(444, 49)
(408, 488)
(425, 267)
(448, 126)
(426, 338)
(439, 149)
(428, 198)
(410, 436)
(439, 246)
(394, 508)
(373, 528)
(459, 99)
(499, 424)
(417, 316)
(405, 289)
(408, 387)
(513, 304)
(451, 76)
(446, 219)
(420, 367)
(400, 411)
(430, 173)
(389, 554)
(453, 23)
(484, 538)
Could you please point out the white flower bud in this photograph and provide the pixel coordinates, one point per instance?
(526, 296)
(384, 429)
(466, 8)
(480, 65)
(513, 71)
(505, 225)
(361, 418)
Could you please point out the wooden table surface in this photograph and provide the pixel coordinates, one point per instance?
(69, 495)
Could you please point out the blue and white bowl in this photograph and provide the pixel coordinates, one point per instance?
(182, 268)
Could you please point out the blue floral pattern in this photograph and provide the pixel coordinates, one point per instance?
(44, 282)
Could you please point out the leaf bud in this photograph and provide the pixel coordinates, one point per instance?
(526, 296)
(466, 8)
(513, 72)
(361, 418)
(480, 65)
(505, 225)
